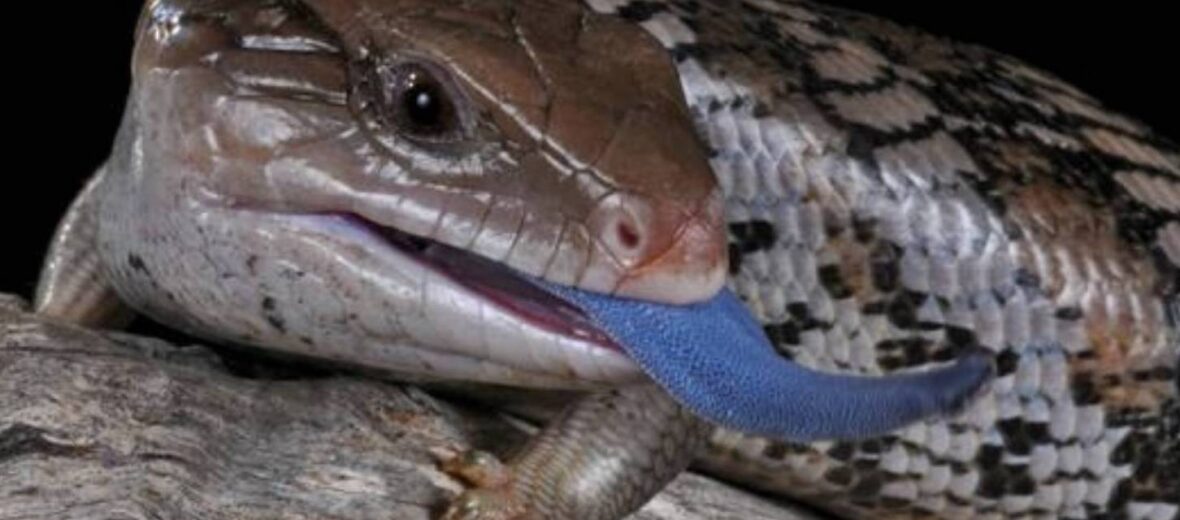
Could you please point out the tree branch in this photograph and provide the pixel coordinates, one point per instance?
(109, 425)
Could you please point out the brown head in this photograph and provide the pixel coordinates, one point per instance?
(531, 132)
(348, 179)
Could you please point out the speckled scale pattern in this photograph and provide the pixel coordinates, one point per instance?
(895, 198)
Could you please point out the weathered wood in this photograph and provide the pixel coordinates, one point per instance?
(109, 425)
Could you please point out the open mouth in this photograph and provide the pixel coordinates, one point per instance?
(497, 283)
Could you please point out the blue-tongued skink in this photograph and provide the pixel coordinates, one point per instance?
(491, 191)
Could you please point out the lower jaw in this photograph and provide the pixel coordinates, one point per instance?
(600, 363)
(500, 285)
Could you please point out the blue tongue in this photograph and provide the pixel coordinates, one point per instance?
(715, 360)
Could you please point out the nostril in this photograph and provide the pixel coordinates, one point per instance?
(624, 224)
(627, 234)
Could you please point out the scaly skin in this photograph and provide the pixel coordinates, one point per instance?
(893, 199)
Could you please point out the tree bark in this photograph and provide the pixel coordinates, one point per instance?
(98, 425)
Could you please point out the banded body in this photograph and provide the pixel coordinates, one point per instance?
(894, 198)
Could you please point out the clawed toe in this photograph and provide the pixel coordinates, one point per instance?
(492, 496)
(487, 504)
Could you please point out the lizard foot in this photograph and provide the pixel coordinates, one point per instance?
(493, 495)
(487, 504)
(601, 459)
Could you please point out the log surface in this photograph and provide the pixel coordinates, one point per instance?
(109, 425)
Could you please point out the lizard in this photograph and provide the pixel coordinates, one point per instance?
(891, 199)
(213, 210)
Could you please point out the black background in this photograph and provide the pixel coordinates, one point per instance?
(66, 75)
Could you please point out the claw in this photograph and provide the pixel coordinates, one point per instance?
(492, 497)
(487, 504)
(477, 468)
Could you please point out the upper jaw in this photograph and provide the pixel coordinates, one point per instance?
(685, 259)
(685, 262)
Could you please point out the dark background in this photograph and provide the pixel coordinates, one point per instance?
(66, 75)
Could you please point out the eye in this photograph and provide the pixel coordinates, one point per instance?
(422, 102)
(404, 101)
(418, 103)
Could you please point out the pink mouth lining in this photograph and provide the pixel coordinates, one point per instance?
(499, 284)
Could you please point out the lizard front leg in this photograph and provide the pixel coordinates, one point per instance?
(602, 458)
(72, 287)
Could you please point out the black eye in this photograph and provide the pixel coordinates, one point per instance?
(418, 103)
(423, 105)
(415, 101)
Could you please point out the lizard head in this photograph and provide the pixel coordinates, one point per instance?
(530, 133)
(402, 150)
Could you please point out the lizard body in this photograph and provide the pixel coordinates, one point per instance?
(893, 197)
(892, 200)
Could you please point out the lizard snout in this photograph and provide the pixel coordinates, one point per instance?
(664, 251)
